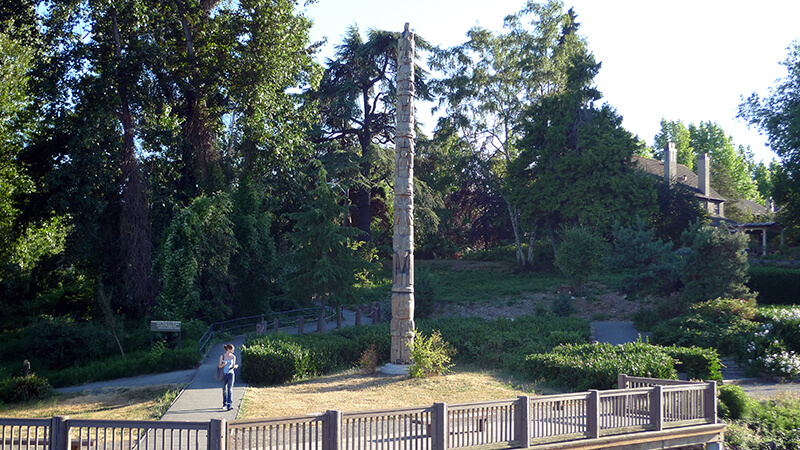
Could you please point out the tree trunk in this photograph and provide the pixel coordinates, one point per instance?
(531, 242)
(513, 213)
(549, 224)
(135, 231)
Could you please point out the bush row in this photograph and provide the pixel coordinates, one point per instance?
(775, 285)
(138, 363)
(595, 366)
(500, 343)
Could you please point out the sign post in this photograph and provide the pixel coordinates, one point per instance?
(165, 326)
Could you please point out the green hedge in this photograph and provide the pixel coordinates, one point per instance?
(279, 358)
(137, 363)
(775, 285)
(595, 366)
(500, 344)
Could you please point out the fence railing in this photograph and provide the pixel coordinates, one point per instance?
(274, 322)
(511, 423)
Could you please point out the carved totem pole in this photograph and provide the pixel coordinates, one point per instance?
(402, 327)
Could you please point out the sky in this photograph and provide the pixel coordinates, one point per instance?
(679, 60)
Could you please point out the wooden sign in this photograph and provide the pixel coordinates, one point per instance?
(165, 325)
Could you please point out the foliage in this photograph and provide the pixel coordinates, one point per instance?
(278, 358)
(581, 252)
(775, 285)
(276, 362)
(356, 105)
(724, 324)
(778, 116)
(132, 364)
(773, 423)
(677, 210)
(675, 131)
(58, 343)
(431, 355)
(649, 264)
(715, 264)
(562, 305)
(425, 287)
(504, 343)
(23, 389)
(731, 168)
(368, 361)
(697, 363)
(581, 367)
(326, 259)
(734, 404)
(195, 259)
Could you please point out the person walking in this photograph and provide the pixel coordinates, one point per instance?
(227, 363)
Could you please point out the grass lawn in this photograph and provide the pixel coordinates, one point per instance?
(352, 391)
(140, 403)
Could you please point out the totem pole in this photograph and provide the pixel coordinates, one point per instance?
(402, 326)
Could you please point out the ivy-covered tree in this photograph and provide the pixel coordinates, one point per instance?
(195, 260)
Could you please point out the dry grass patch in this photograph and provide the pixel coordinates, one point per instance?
(351, 391)
(134, 403)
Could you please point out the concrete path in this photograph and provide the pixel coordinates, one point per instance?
(201, 399)
(616, 333)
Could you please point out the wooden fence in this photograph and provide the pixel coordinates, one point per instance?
(651, 406)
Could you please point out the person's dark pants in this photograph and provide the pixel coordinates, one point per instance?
(227, 390)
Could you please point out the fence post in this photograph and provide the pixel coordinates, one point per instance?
(439, 427)
(710, 400)
(59, 433)
(358, 316)
(524, 421)
(593, 414)
(622, 381)
(378, 317)
(217, 436)
(657, 407)
(339, 317)
(275, 326)
(332, 430)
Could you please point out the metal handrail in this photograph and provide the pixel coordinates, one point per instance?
(290, 318)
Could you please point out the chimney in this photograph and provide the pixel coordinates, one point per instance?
(670, 163)
(704, 174)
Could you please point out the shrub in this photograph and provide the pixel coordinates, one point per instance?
(715, 264)
(562, 305)
(275, 362)
(58, 342)
(431, 355)
(580, 253)
(734, 403)
(697, 363)
(22, 389)
(775, 285)
(595, 366)
(368, 362)
(424, 292)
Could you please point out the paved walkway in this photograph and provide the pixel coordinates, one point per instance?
(201, 399)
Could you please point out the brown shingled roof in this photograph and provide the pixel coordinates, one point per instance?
(684, 176)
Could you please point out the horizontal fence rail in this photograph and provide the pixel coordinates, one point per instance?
(652, 406)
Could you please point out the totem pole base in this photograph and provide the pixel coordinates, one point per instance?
(395, 369)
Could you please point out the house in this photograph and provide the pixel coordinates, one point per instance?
(710, 199)
(699, 183)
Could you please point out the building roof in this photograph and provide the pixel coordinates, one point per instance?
(684, 176)
(750, 207)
